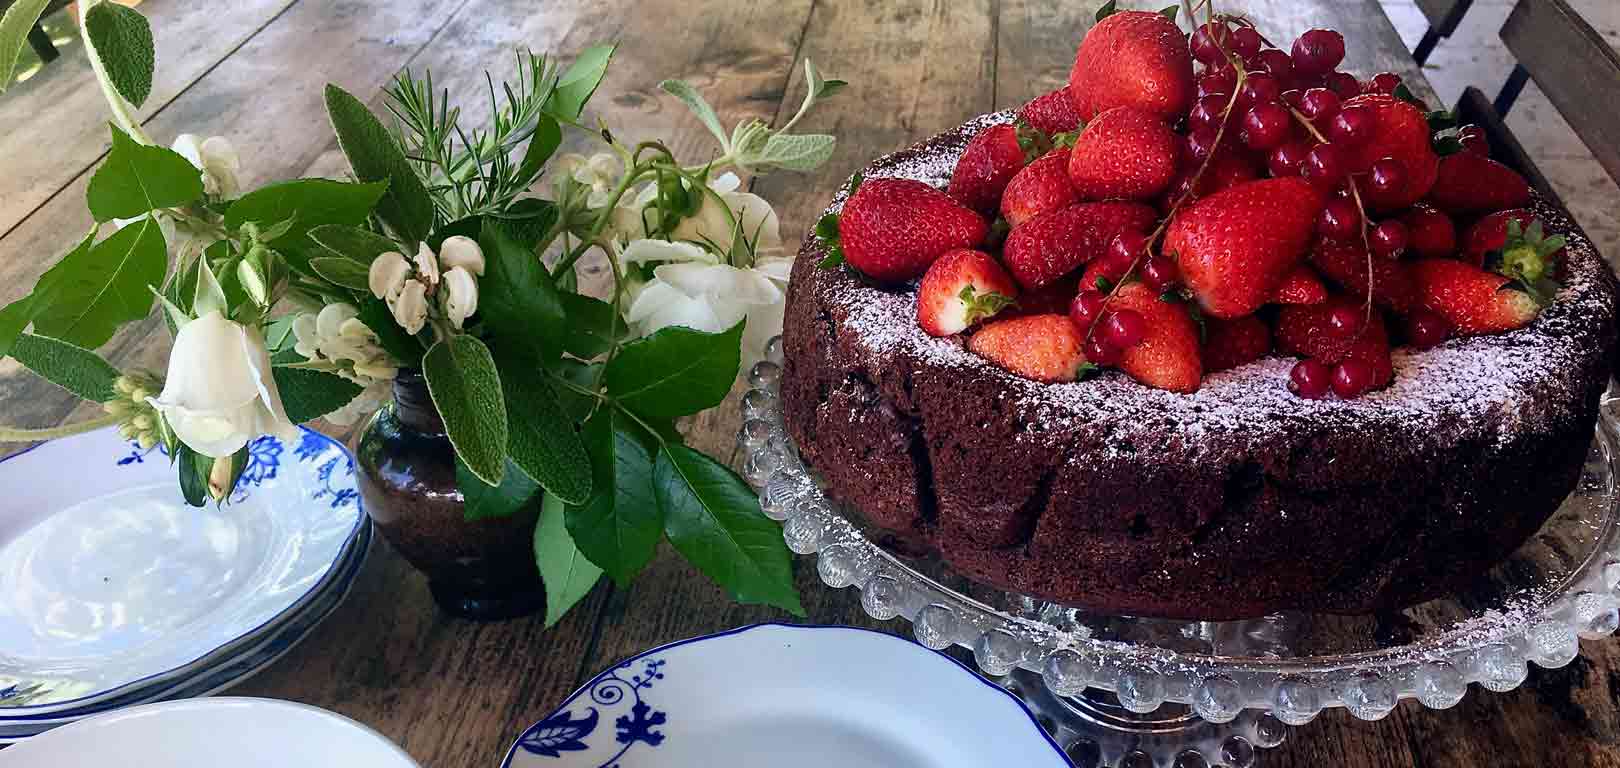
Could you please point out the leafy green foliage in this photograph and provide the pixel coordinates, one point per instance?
(827, 233)
(796, 153)
(1105, 11)
(541, 438)
(592, 326)
(353, 243)
(308, 203)
(542, 145)
(1530, 258)
(95, 290)
(123, 41)
(482, 501)
(675, 372)
(20, 17)
(466, 389)
(73, 368)
(308, 394)
(194, 469)
(406, 208)
(713, 519)
(619, 527)
(1169, 11)
(517, 298)
(137, 178)
(694, 101)
(342, 272)
(576, 86)
(392, 338)
(567, 573)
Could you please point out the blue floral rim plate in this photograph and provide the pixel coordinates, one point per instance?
(787, 696)
(110, 582)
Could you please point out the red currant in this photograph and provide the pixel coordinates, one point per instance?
(1351, 378)
(1266, 125)
(1206, 112)
(1425, 329)
(1318, 51)
(1354, 125)
(1099, 352)
(1160, 272)
(1208, 40)
(1293, 97)
(1246, 42)
(1383, 82)
(1276, 63)
(1388, 239)
(1200, 143)
(1287, 159)
(1473, 140)
(1320, 105)
(1124, 328)
(1219, 80)
(1324, 166)
(1258, 88)
(1086, 307)
(1339, 220)
(1387, 175)
(1344, 321)
(1310, 379)
(1343, 83)
(1125, 249)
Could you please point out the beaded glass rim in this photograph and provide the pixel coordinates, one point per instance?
(1435, 671)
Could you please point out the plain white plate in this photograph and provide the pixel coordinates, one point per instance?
(108, 579)
(788, 696)
(210, 733)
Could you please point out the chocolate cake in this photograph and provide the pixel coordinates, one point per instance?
(1235, 501)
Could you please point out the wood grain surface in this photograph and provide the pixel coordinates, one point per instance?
(453, 693)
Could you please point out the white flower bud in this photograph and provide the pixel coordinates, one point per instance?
(389, 271)
(461, 251)
(461, 295)
(307, 340)
(221, 166)
(253, 282)
(427, 266)
(410, 306)
(329, 322)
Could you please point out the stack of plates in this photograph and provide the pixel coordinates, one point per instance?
(114, 592)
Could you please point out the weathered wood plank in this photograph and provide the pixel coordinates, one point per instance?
(1575, 67)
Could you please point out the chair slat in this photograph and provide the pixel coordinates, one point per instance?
(1444, 15)
(1575, 67)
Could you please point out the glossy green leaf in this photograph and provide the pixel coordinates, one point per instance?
(466, 390)
(71, 367)
(14, 25)
(309, 203)
(542, 145)
(592, 326)
(356, 244)
(517, 299)
(309, 394)
(373, 153)
(123, 41)
(567, 573)
(576, 85)
(342, 272)
(713, 519)
(482, 501)
(194, 469)
(393, 339)
(619, 528)
(95, 290)
(137, 178)
(675, 372)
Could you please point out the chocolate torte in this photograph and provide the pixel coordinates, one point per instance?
(1237, 500)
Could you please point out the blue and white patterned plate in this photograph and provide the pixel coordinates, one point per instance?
(109, 581)
(788, 697)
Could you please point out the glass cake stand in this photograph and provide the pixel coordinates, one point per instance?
(1136, 692)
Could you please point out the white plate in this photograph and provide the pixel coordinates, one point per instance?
(108, 579)
(788, 697)
(220, 671)
(209, 733)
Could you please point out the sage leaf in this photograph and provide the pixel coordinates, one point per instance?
(567, 573)
(675, 372)
(541, 437)
(20, 17)
(592, 326)
(123, 42)
(694, 101)
(94, 290)
(356, 244)
(137, 178)
(341, 272)
(619, 527)
(579, 82)
(71, 367)
(482, 501)
(797, 153)
(713, 519)
(308, 394)
(407, 208)
(516, 297)
(310, 203)
(466, 390)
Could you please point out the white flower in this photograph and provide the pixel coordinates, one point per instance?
(713, 298)
(462, 251)
(410, 307)
(460, 295)
(218, 161)
(219, 393)
(722, 212)
(427, 266)
(389, 271)
(337, 337)
(363, 404)
(599, 172)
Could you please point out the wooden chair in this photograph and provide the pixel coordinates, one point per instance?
(1443, 16)
(1574, 66)
(37, 39)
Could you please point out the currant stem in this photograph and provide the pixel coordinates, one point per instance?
(1355, 194)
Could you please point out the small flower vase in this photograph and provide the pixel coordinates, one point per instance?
(477, 569)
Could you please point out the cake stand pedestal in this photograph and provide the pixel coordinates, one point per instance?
(1145, 693)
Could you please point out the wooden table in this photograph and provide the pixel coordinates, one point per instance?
(453, 693)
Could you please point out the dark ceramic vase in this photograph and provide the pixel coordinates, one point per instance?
(476, 569)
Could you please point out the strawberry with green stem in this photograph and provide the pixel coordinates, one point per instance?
(1530, 258)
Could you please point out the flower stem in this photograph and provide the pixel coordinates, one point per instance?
(19, 435)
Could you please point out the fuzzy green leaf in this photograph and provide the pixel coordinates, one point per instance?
(406, 208)
(310, 203)
(675, 372)
(137, 178)
(694, 101)
(516, 297)
(309, 394)
(592, 326)
(95, 290)
(713, 519)
(73, 368)
(466, 390)
(567, 573)
(797, 153)
(20, 17)
(576, 85)
(356, 244)
(542, 440)
(482, 501)
(123, 40)
(619, 527)
(341, 272)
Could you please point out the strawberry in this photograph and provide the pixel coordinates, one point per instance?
(1231, 343)
(1051, 112)
(1301, 286)
(1039, 347)
(1515, 245)
(1167, 357)
(962, 288)
(1052, 298)
(1052, 245)
(892, 229)
(1226, 169)
(1306, 332)
(1133, 58)
(1472, 300)
(1235, 246)
(1429, 233)
(1345, 262)
(1042, 186)
(1401, 131)
(987, 164)
(1469, 182)
(1124, 154)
